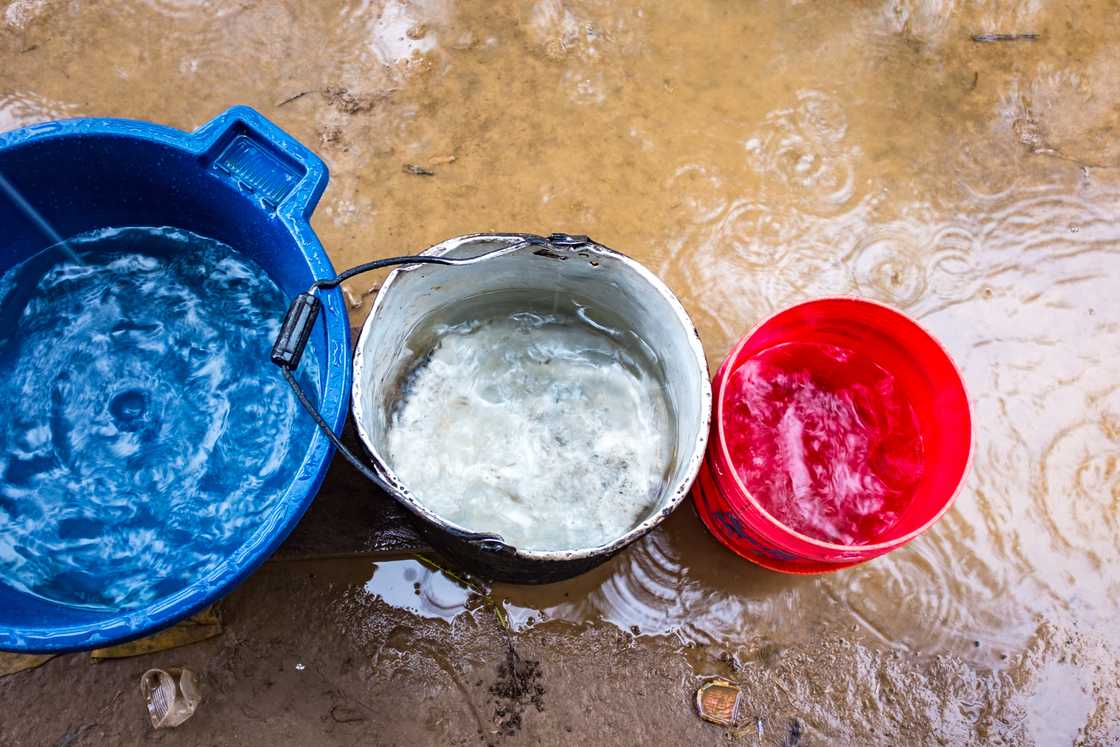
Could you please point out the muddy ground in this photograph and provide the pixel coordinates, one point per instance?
(958, 161)
(310, 656)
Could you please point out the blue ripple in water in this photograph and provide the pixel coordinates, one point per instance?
(145, 435)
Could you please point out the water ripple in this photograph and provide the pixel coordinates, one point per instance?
(1079, 485)
(20, 13)
(802, 149)
(889, 265)
(21, 108)
(807, 270)
(583, 29)
(180, 9)
(703, 193)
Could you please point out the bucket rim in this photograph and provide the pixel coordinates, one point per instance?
(720, 442)
(511, 242)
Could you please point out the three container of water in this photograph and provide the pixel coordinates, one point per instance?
(154, 458)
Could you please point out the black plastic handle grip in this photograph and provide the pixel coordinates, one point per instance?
(295, 331)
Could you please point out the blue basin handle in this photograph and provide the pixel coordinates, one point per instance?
(260, 158)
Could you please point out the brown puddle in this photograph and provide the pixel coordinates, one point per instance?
(753, 155)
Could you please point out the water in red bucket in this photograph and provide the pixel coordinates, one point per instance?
(825, 439)
(841, 431)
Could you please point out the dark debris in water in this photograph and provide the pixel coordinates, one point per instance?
(417, 170)
(343, 714)
(995, 38)
(293, 97)
(349, 102)
(518, 687)
(731, 660)
(793, 737)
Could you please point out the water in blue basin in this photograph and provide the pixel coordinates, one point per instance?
(145, 435)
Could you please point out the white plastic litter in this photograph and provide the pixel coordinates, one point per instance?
(172, 696)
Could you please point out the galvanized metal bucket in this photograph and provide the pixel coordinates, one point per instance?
(520, 264)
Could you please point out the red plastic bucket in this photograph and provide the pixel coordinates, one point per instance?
(921, 368)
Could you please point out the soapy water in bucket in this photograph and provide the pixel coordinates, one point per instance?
(544, 428)
(146, 436)
(824, 439)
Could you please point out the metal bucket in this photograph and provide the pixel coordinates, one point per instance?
(519, 266)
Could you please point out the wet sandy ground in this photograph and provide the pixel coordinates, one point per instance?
(754, 154)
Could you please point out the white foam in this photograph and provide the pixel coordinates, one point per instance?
(539, 428)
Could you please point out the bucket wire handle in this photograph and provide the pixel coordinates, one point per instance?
(299, 321)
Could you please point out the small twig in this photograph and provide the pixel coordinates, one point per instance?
(343, 717)
(487, 599)
(454, 576)
(30, 48)
(353, 301)
(417, 170)
(290, 99)
(990, 38)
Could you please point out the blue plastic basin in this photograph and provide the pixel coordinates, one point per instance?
(238, 179)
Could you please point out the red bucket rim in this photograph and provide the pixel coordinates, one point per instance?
(721, 441)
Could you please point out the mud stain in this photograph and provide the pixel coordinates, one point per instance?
(517, 688)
